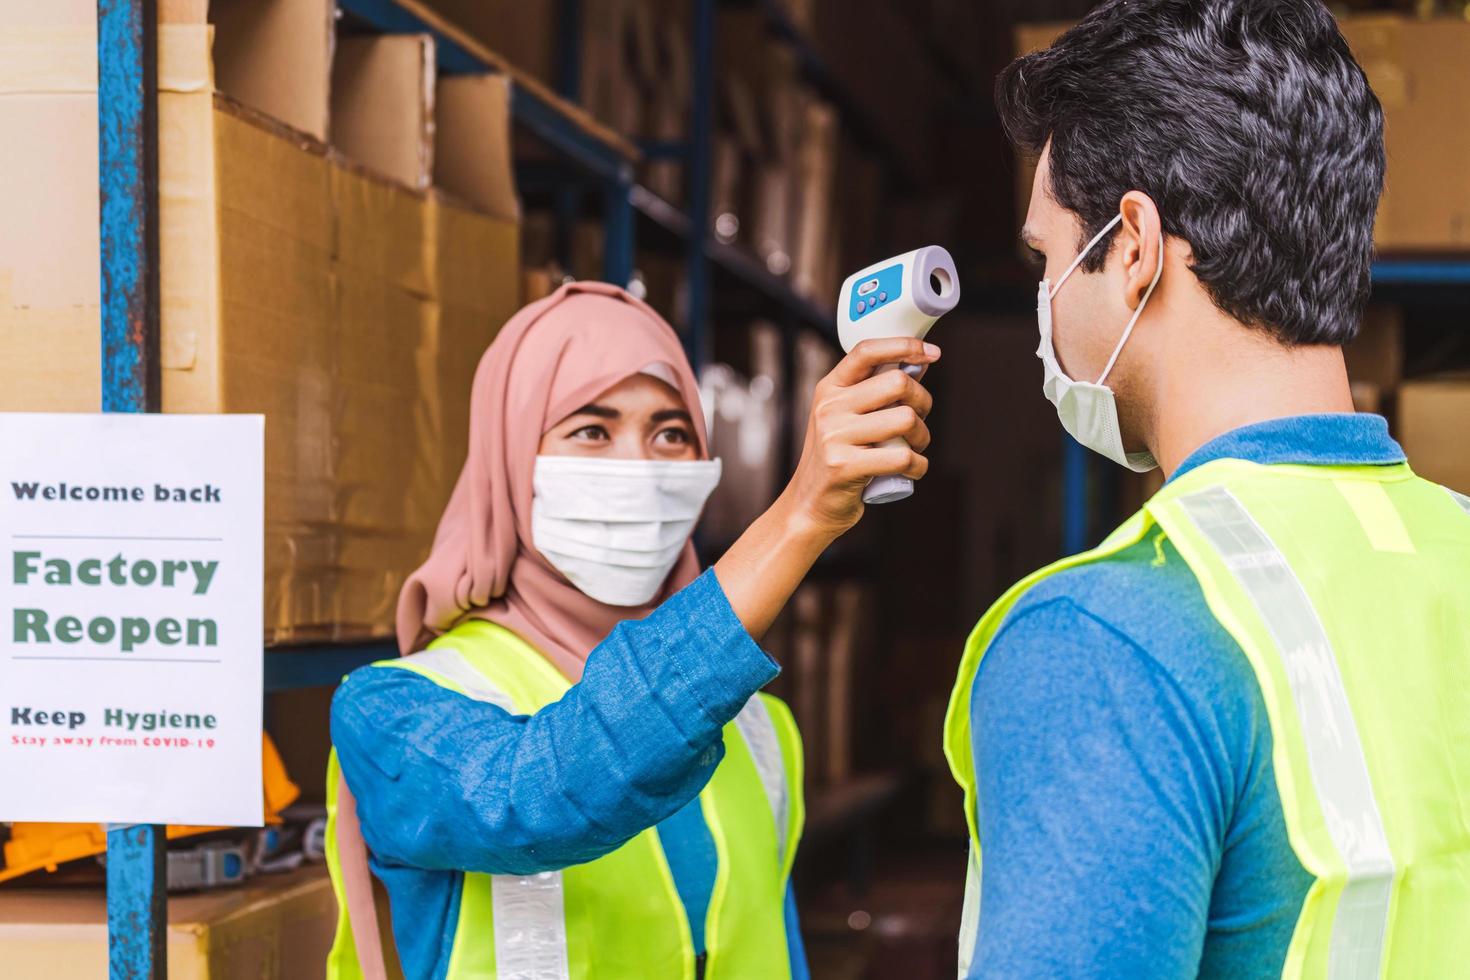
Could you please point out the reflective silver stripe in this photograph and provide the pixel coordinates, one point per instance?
(530, 927)
(452, 664)
(970, 915)
(755, 725)
(530, 923)
(1460, 499)
(1329, 734)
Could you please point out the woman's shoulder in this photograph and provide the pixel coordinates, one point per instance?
(384, 679)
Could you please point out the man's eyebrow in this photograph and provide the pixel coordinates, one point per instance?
(671, 413)
(600, 411)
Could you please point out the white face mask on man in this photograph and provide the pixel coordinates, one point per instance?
(615, 527)
(1089, 411)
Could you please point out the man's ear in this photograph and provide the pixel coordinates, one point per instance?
(1138, 245)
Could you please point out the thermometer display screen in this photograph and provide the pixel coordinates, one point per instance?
(876, 291)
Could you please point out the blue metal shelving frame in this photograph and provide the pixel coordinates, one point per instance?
(1421, 272)
(127, 139)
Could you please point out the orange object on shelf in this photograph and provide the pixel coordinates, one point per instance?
(37, 846)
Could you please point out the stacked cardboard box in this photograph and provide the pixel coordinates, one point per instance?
(825, 638)
(1434, 428)
(383, 105)
(1429, 414)
(800, 205)
(632, 63)
(875, 51)
(275, 926)
(275, 55)
(1375, 359)
(744, 413)
(348, 309)
(1420, 71)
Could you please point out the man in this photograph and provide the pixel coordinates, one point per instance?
(1235, 739)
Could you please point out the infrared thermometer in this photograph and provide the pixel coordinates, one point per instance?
(898, 297)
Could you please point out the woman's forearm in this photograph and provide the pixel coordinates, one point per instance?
(764, 567)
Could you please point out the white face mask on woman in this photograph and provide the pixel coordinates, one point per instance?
(615, 527)
(1089, 411)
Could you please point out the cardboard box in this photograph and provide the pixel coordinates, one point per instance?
(272, 55)
(619, 65)
(1376, 355)
(745, 433)
(873, 48)
(1420, 71)
(1367, 397)
(349, 310)
(816, 169)
(772, 219)
(278, 926)
(727, 188)
(472, 158)
(49, 269)
(1434, 428)
(858, 208)
(1029, 38)
(383, 105)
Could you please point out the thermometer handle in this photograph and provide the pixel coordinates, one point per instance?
(887, 489)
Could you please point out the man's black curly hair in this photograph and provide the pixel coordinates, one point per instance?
(1249, 124)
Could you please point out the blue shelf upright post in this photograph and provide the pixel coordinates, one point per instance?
(618, 230)
(701, 125)
(567, 200)
(127, 152)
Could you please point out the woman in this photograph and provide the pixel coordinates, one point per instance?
(574, 776)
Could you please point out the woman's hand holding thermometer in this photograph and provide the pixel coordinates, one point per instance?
(865, 424)
(898, 297)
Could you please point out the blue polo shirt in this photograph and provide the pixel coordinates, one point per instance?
(1126, 802)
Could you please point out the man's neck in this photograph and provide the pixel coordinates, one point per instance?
(1219, 376)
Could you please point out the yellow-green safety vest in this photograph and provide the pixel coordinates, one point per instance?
(619, 915)
(1348, 589)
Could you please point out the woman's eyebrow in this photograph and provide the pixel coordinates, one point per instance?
(671, 413)
(600, 411)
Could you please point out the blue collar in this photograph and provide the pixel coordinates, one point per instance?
(1323, 440)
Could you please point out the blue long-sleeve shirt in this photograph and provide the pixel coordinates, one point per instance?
(1127, 806)
(447, 784)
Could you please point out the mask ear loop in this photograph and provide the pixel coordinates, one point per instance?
(1158, 271)
(1083, 254)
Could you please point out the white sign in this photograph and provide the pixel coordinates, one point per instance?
(130, 590)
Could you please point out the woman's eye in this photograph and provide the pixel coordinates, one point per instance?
(674, 437)
(594, 433)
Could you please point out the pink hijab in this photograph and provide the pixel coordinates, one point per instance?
(551, 358)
